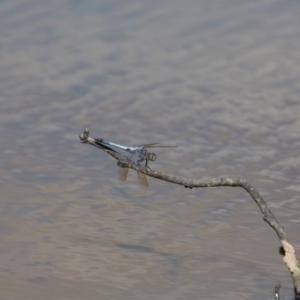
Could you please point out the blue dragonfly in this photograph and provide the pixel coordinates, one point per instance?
(139, 154)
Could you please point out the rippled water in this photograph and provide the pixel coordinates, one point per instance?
(220, 79)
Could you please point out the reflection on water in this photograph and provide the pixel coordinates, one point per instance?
(218, 80)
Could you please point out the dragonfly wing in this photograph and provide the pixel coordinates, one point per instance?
(142, 179)
(155, 145)
(123, 173)
(160, 146)
(148, 145)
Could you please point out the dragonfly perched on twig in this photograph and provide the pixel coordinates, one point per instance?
(139, 154)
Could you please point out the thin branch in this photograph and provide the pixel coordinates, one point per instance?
(287, 250)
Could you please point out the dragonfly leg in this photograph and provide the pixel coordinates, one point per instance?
(146, 165)
(139, 161)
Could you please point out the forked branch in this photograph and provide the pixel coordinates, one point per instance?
(286, 249)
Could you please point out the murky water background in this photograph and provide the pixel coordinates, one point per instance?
(220, 79)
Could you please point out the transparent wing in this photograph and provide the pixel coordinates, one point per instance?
(155, 145)
(142, 179)
(123, 173)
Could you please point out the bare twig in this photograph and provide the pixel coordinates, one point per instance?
(286, 249)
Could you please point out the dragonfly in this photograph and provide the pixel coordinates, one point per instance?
(139, 154)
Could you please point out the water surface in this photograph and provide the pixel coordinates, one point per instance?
(219, 79)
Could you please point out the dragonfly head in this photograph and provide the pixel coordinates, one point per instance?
(151, 156)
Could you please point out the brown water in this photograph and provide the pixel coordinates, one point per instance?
(220, 79)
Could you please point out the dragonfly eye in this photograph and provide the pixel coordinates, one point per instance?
(152, 156)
